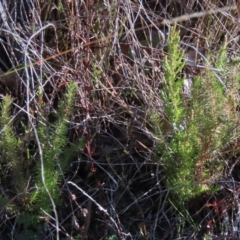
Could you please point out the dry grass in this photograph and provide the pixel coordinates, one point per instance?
(113, 189)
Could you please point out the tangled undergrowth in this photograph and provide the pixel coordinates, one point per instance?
(119, 119)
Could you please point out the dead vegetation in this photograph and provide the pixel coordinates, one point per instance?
(112, 187)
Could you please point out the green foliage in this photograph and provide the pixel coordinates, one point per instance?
(15, 155)
(28, 220)
(60, 7)
(10, 145)
(113, 237)
(54, 143)
(201, 127)
(171, 93)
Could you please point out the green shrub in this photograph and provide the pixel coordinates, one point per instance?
(33, 176)
(54, 143)
(12, 163)
(200, 127)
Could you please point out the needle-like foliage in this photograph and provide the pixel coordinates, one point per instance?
(201, 126)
